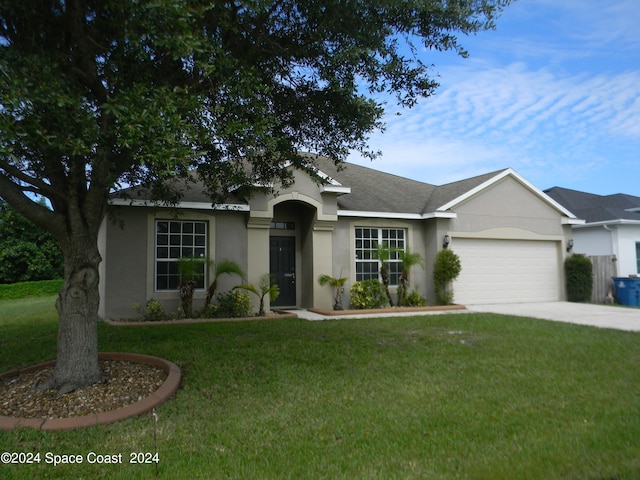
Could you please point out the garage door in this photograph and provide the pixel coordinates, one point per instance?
(506, 271)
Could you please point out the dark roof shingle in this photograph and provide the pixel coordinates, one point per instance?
(375, 191)
(596, 208)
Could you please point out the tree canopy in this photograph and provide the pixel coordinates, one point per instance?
(99, 94)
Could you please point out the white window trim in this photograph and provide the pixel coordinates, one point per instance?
(378, 226)
(151, 254)
(168, 246)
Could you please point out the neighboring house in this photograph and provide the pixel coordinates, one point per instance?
(510, 236)
(612, 226)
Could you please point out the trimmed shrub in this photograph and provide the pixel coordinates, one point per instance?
(368, 294)
(446, 269)
(579, 273)
(152, 312)
(233, 304)
(414, 299)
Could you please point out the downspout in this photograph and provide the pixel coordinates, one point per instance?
(614, 245)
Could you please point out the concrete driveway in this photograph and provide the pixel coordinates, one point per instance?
(603, 316)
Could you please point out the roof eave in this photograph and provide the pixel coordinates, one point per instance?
(572, 221)
(236, 207)
(340, 190)
(396, 215)
(618, 221)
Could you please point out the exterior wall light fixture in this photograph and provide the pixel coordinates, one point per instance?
(569, 245)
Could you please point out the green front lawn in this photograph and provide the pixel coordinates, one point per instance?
(474, 396)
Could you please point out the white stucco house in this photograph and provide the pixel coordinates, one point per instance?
(511, 237)
(612, 226)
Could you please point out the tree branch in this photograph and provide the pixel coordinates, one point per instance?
(37, 186)
(46, 219)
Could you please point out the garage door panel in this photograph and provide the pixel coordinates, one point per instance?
(506, 271)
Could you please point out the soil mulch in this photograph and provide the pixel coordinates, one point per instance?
(125, 383)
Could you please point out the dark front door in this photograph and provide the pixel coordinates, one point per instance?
(282, 259)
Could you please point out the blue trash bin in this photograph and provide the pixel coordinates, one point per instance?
(627, 291)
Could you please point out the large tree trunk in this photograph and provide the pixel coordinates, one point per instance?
(77, 304)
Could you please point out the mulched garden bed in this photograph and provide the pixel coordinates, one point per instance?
(137, 321)
(387, 310)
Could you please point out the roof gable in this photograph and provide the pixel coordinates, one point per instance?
(478, 184)
(450, 192)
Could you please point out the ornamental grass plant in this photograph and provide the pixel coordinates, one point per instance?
(476, 396)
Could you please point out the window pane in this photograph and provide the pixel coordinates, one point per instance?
(162, 227)
(174, 282)
(187, 227)
(200, 228)
(175, 227)
(162, 283)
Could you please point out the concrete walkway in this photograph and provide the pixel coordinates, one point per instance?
(602, 316)
(312, 316)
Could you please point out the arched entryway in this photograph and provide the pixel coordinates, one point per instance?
(291, 252)
(290, 236)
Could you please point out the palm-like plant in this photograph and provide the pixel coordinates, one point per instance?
(383, 253)
(265, 287)
(190, 268)
(336, 283)
(228, 267)
(409, 259)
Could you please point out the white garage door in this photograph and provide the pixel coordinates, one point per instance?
(506, 271)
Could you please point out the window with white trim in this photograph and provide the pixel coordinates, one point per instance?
(367, 240)
(176, 239)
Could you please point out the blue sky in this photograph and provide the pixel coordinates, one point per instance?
(553, 92)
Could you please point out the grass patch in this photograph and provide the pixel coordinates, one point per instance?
(451, 396)
(30, 289)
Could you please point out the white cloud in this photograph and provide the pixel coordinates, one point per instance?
(483, 120)
(554, 92)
